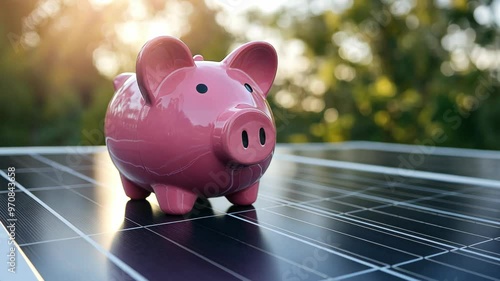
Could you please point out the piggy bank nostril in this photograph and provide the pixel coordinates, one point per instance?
(244, 138)
(262, 136)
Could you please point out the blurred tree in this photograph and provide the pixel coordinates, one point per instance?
(53, 90)
(392, 70)
(389, 70)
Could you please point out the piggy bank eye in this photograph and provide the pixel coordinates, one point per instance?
(248, 87)
(201, 88)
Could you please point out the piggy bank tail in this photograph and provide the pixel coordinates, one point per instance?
(120, 80)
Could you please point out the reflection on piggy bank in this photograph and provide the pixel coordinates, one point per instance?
(183, 128)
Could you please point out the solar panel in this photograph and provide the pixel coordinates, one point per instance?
(350, 211)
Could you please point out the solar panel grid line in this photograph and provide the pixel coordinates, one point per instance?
(347, 193)
(266, 186)
(34, 170)
(70, 188)
(310, 243)
(82, 150)
(337, 200)
(298, 265)
(299, 192)
(67, 170)
(417, 237)
(57, 166)
(452, 214)
(307, 171)
(269, 209)
(403, 182)
(399, 187)
(387, 184)
(454, 245)
(482, 242)
(64, 168)
(488, 256)
(479, 224)
(430, 224)
(394, 202)
(421, 188)
(398, 274)
(51, 168)
(301, 267)
(431, 197)
(458, 200)
(446, 197)
(283, 200)
(158, 224)
(426, 150)
(464, 270)
(333, 199)
(390, 170)
(133, 228)
(415, 260)
(100, 205)
(440, 200)
(335, 184)
(48, 188)
(350, 220)
(364, 226)
(54, 178)
(140, 227)
(476, 197)
(351, 275)
(368, 223)
(396, 235)
(35, 188)
(346, 234)
(49, 241)
(336, 174)
(372, 185)
(368, 271)
(196, 218)
(464, 251)
(321, 244)
(126, 268)
(325, 211)
(369, 227)
(333, 187)
(379, 190)
(482, 252)
(416, 275)
(464, 221)
(399, 148)
(233, 273)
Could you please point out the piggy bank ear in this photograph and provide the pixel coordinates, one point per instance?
(158, 59)
(257, 59)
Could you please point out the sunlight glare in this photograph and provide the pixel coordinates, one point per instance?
(112, 217)
(99, 3)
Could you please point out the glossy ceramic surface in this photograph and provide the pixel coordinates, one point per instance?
(185, 128)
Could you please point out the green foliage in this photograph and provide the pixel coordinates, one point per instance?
(368, 71)
(413, 85)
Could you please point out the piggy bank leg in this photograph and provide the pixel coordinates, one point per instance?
(174, 200)
(132, 190)
(244, 197)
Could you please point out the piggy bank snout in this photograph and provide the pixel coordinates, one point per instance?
(245, 137)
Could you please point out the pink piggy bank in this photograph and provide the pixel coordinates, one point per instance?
(183, 128)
